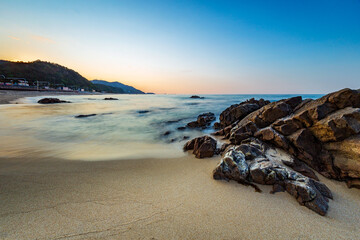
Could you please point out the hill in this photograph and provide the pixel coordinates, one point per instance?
(53, 73)
(57, 75)
(126, 88)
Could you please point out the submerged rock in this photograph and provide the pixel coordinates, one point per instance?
(166, 133)
(51, 101)
(196, 97)
(85, 115)
(110, 98)
(143, 111)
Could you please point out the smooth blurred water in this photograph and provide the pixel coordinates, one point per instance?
(131, 128)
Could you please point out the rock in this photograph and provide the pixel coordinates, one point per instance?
(202, 121)
(346, 155)
(143, 111)
(277, 188)
(202, 146)
(223, 132)
(167, 133)
(181, 128)
(264, 116)
(353, 183)
(338, 125)
(51, 101)
(196, 97)
(224, 147)
(287, 125)
(238, 134)
(313, 111)
(236, 112)
(248, 163)
(85, 115)
(269, 135)
(110, 98)
(261, 172)
(217, 125)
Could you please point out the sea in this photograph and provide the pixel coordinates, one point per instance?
(132, 127)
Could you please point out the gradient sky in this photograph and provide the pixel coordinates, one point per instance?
(192, 46)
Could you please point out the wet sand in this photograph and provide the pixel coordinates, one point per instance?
(8, 96)
(157, 199)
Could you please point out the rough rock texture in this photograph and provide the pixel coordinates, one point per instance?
(203, 120)
(346, 156)
(51, 101)
(323, 134)
(249, 163)
(237, 112)
(202, 146)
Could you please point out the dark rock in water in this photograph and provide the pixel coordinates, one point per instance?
(143, 111)
(85, 115)
(196, 96)
(110, 98)
(181, 128)
(167, 133)
(51, 101)
(185, 137)
(203, 120)
(202, 146)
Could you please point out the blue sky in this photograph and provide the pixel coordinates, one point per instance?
(192, 46)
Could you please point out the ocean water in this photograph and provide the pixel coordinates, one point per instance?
(131, 128)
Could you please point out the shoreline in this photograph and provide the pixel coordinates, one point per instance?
(157, 198)
(10, 96)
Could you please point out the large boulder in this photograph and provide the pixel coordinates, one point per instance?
(202, 146)
(250, 162)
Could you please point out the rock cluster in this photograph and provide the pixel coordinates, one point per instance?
(323, 134)
(51, 101)
(202, 121)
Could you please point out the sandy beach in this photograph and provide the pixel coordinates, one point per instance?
(7, 96)
(157, 199)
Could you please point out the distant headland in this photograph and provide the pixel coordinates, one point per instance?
(47, 76)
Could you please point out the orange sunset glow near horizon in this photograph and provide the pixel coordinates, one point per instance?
(191, 47)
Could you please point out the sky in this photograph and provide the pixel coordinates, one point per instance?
(192, 47)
